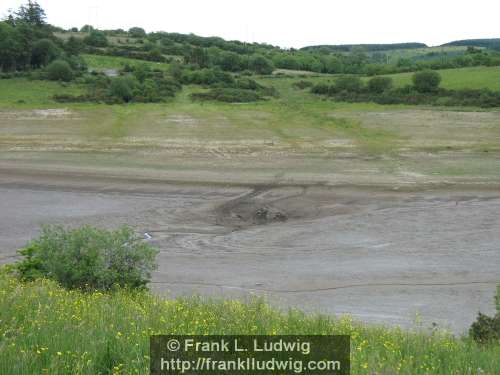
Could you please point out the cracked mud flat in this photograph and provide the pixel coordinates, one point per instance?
(382, 256)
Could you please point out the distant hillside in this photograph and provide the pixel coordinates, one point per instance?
(486, 43)
(366, 47)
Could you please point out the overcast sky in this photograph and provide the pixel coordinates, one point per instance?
(287, 23)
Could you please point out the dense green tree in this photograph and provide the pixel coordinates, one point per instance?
(286, 61)
(426, 81)
(259, 64)
(31, 13)
(141, 72)
(379, 84)
(331, 64)
(43, 52)
(96, 39)
(12, 52)
(122, 88)
(59, 70)
(87, 28)
(349, 84)
(230, 61)
(175, 70)
(155, 55)
(137, 32)
(73, 46)
(198, 56)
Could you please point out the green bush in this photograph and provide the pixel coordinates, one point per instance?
(96, 39)
(426, 81)
(88, 258)
(228, 95)
(43, 52)
(301, 85)
(122, 88)
(379, 91)
(137, 32)
(379, 84)
(260, 65)
(59, 70)
(485, 329)
(322, 89)
(497, 300)
(349, 84)
(207, 77)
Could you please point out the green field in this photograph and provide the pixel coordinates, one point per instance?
(22, 92)
(454, 79)
(463, 78)
(46, 329)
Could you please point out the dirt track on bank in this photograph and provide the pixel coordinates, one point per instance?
(378, 254)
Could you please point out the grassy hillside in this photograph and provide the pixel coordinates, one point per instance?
(427, 53)
(486, 43)
(100, 62)
(48, 330)
(113, 39)
(365, 47)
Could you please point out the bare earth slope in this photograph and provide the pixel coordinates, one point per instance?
(383, 212)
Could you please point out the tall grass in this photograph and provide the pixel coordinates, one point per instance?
(45, 329)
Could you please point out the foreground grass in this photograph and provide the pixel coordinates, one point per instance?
(46, 329)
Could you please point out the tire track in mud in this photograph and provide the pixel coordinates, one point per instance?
(240, 212)
(234, 215)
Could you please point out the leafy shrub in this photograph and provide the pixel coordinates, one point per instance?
(349, 84)
(156, 90)
(301, 85)
(43, 52)
(426, 81)
(122, 88)
(497, 299)
(88, 258)
(322, 89)
(260, 65)
(247, 84)
(137, 32)
(96, 39)
(228, 95)
(487, 329)
(379, 84)
(207, 77)
(409, 95)
(76, 63)
(73, 46)
(59, 70)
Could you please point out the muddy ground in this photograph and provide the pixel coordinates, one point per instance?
(381, 255)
